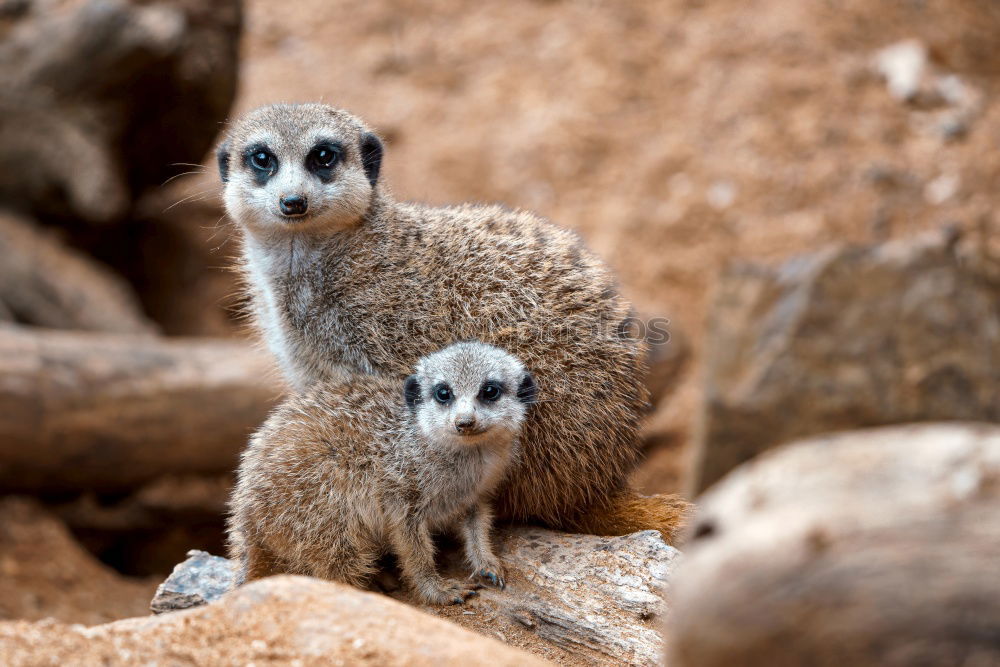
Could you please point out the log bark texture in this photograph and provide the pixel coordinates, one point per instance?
(875, 547)
(106, 412)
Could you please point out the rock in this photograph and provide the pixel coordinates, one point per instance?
(281, 620)
(902, 64)
(201, 579)
(44, 573)
(594, 596)
(45, 283)
(846, 338)
(669, 354)
(875, 547)
(103, 99)
(958, 34)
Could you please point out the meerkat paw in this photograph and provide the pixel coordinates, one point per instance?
(491, 573)
(449, 592)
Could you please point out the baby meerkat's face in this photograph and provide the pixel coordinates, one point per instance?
(470, 394)
(291, 168)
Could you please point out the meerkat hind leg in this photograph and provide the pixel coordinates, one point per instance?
(475, 528)
(415, 550)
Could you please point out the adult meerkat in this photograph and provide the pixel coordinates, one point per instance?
(346, 471)
(343, 276)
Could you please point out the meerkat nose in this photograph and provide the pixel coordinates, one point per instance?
(465, 423)
(293, 205)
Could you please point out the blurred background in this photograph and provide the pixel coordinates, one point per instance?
(806, 189)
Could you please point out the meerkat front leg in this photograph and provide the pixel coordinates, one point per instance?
(413, 545)
(476, 527)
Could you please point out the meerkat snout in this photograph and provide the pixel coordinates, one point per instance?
(466, 424)
(293, 205)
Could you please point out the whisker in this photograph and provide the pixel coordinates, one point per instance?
(176, 176)
(201, 195)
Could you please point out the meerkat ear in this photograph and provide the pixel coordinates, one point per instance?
(371, 156)
(222, 155)
(527, 391)
(411, 390)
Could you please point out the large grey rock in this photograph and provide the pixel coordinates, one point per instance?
(847, 338)
(874, 547)
(597, 597)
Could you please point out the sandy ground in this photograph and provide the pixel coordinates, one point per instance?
(44, 573)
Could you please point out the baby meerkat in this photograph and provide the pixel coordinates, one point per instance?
(346, 471)
(342, 276)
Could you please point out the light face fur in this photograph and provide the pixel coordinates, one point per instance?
(299, 168)
(469, 395)
(346, 471)
(378, 284)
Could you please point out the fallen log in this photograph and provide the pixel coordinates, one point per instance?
(875, 547)
(107, 412)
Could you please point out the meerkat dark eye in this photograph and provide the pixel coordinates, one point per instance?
(490, 392)
(323, 156)
(262, 160)
(442, 394)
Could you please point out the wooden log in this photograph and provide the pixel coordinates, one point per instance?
(874, 547)
(48, 284)
(107, 412)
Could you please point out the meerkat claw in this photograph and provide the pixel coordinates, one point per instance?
(496, 580)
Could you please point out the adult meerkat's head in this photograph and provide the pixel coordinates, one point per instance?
(470, 394)
(296, 167)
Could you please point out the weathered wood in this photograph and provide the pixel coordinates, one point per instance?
(48, 284)
(106, 412)
(598, 598)
(873, 547)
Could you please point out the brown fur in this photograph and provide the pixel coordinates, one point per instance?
(345, 472)
(630, 512)
(375, 291)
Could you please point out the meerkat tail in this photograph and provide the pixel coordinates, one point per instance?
(629, 512)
